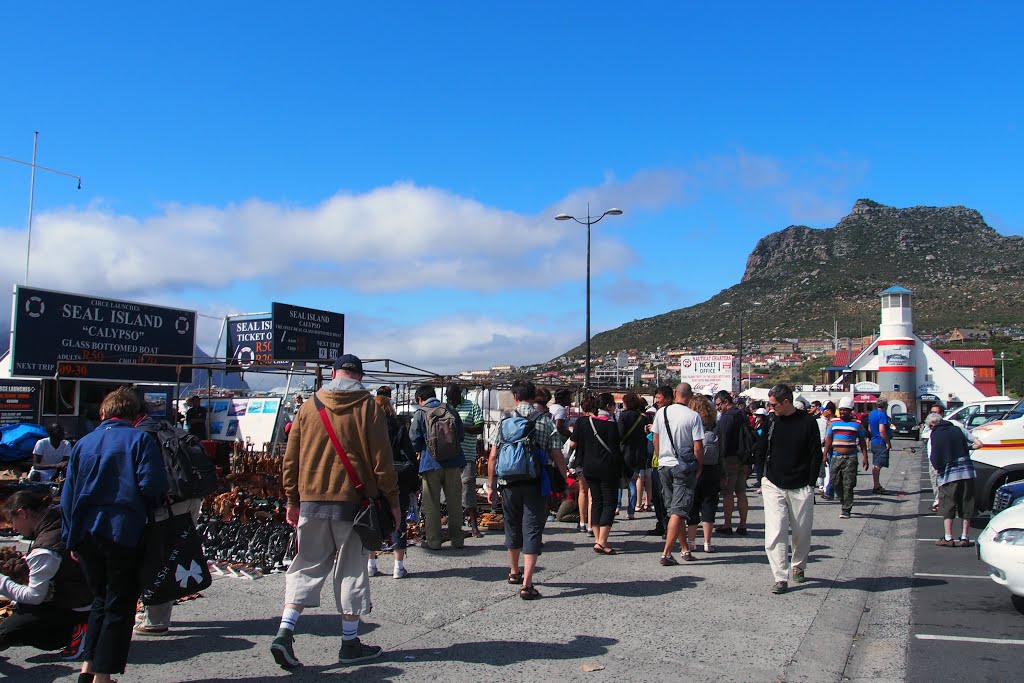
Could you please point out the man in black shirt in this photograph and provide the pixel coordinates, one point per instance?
(734, 463)
(794, 454)
(195, 418)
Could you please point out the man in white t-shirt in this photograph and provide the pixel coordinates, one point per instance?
(679, 443)
(48, 454)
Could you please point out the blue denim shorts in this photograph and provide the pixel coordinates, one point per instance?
(879, 455)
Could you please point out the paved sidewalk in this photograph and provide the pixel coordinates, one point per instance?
(455, 617)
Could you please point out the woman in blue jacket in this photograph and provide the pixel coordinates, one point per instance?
(115, 477)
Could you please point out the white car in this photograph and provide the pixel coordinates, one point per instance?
(1001, 547)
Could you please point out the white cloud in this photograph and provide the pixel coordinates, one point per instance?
(461, 342)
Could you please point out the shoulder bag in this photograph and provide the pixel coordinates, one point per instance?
(374, 522)
(173, 564)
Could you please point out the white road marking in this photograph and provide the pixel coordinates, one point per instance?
(966, 639)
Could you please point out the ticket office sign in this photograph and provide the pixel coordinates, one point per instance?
(306, 334)
(708, 374)
(87, 337)
(19, 401)
(250, 342)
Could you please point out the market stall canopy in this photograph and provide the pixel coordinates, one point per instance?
(756, 394)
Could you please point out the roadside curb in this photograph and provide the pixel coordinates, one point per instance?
(840, 641)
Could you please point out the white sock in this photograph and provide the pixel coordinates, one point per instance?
(399, 565)
(947, 537)
(288, 619)
(349, 629)
(371, 566)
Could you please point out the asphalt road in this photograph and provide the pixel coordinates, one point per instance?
(955, 599)
(456, 619)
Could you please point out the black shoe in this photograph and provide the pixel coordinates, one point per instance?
(353, 652)
(284, 654)
(656, 531)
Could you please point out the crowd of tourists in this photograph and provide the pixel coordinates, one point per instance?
(683, 458)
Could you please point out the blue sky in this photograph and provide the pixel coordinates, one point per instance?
(403, 164)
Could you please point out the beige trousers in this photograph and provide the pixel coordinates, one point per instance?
(328, 546)
(787, 511)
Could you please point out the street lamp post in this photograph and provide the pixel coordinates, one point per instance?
(588, 222)
(1002, 372)
(32, 192)
(740, 349)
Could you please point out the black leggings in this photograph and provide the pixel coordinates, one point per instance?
(604, 494)
(112, 572)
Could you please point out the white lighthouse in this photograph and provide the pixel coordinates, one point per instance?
(897, 370)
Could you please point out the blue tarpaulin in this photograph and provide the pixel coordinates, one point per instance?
(17, 441)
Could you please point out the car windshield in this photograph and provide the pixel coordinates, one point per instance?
(1014, 412)
(904, 418)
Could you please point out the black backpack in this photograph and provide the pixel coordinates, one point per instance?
(747, 442)
(404, 456)
(190, 471)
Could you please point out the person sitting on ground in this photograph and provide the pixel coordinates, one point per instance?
(49, 455)
(568, 509)
(52, 608)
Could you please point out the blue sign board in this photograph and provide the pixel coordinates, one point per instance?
(84, 337)
(250, 342)
(306, 334)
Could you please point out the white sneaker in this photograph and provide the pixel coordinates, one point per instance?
(400, 573)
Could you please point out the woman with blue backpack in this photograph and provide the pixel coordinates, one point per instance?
(596, 439)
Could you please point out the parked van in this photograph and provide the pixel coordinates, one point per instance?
(992, 404)
(998, 454)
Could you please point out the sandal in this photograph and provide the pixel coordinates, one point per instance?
(708, 548)
(687, 556)
(604, 550)
(514, 578)
(529, 593)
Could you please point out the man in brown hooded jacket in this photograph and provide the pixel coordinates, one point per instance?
(322, 504)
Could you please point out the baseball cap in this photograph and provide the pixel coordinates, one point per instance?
(350, 363)
(846, 402)
(760, 411)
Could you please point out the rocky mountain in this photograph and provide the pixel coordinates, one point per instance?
(963, 273)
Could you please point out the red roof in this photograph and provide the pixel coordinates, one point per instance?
(987, 387)
(969, 358)
(842, 358)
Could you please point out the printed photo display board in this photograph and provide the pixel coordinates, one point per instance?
(84, 337)
(243, 419)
